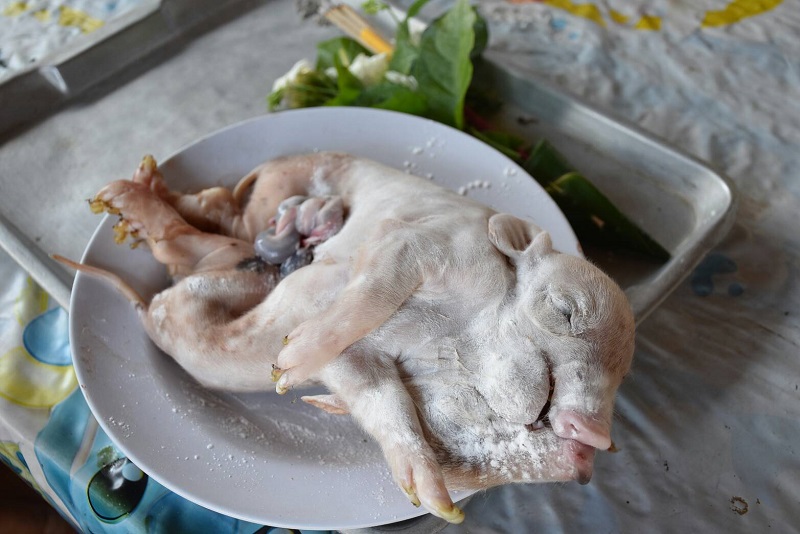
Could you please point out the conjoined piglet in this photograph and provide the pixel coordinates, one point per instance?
(472, 351)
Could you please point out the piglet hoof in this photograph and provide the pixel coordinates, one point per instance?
(281, 389)
(143, 213)
(148, 175)
(420, 478)
(453, 515)
(276, 373)
(145, 172)
(412, 495)
(283, 382)
(306, 350)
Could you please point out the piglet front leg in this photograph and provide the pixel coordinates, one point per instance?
(386, 273)
(370, 388)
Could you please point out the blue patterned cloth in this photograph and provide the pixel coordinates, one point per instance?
(49, 437)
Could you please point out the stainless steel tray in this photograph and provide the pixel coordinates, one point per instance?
(680, 202)
(66, 73)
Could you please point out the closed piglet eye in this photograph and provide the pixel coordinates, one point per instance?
(562, 306)
(573, 311)
(551, 316)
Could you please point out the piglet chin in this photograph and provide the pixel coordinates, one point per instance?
(583, 459)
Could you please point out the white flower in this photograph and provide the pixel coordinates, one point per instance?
(301, 67)
(369, 69)
(415, 29)
(402, 79)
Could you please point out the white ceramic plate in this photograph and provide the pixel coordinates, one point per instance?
(262, 457)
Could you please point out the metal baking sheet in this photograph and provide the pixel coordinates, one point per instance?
(679, 201)
(67, 72)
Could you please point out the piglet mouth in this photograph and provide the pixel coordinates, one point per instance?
(580, 454)
(543, 419)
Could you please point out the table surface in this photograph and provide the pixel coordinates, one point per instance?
(708, 423)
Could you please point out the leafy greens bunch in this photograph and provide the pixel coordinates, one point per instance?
(426, 75)
(430, 75)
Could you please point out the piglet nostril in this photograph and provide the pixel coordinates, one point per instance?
(570, 424)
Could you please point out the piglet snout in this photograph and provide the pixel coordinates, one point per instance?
(584, 428)
(582, 456)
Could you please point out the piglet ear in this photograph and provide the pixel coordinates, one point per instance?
(517, 238)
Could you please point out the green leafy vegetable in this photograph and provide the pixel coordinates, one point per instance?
(275, 98)
(443, 67)
(349, 87)
(309, 89)
(505, 143)
(546, 164)
(593, 217)
(373, 7)
(405, 51)
(415, 8)
(393, 97)
(481, 31)
(432, 77)
(345, 48)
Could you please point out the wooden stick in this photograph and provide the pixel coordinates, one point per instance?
(350, 22)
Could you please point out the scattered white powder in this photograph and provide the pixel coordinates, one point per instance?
(476, 184)
(122, 426)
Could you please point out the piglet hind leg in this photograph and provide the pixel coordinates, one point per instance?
(373, 392)
(212, 210)
(184, 249)
(247, 209)
(147, 216)
(386, 274)
(204, 321)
